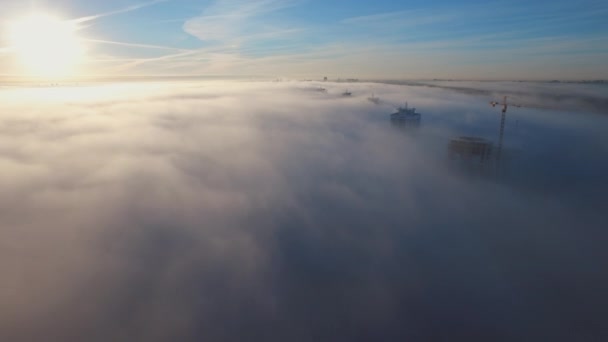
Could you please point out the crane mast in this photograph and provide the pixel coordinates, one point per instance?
(503, 120)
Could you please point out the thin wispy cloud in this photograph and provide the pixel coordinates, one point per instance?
(142, 61)
(136, 45)
(460, 22)
(227, 35)
(375, 59)
(392, 20)
(232, 28)
(119, 11)
(230, 20)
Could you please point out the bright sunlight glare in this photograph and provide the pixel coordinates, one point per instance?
(46, 46)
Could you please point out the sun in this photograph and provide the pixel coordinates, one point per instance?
(46, 46)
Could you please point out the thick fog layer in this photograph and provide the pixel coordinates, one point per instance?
(227, 211)
(568, 96)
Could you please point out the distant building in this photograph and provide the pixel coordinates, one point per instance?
(406, 117)
(472, 156)
(470, 148)
(374, 99)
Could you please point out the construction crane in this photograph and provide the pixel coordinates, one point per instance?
(503, 119)
(504, 104)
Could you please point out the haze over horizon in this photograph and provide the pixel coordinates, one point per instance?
(468, 39)
(181, 170)
(272, 211)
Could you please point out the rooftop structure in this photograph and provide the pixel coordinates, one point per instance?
(406, 116)
(374, 99)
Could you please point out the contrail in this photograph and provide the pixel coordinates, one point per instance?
(146, 46)
(123, 10)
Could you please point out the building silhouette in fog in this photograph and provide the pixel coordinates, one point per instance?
(405, 117)
(472, 156)
(470, 149)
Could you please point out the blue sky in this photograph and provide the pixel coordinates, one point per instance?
(311, 38)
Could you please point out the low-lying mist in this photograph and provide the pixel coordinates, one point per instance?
(244, 211)
(567, 96)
